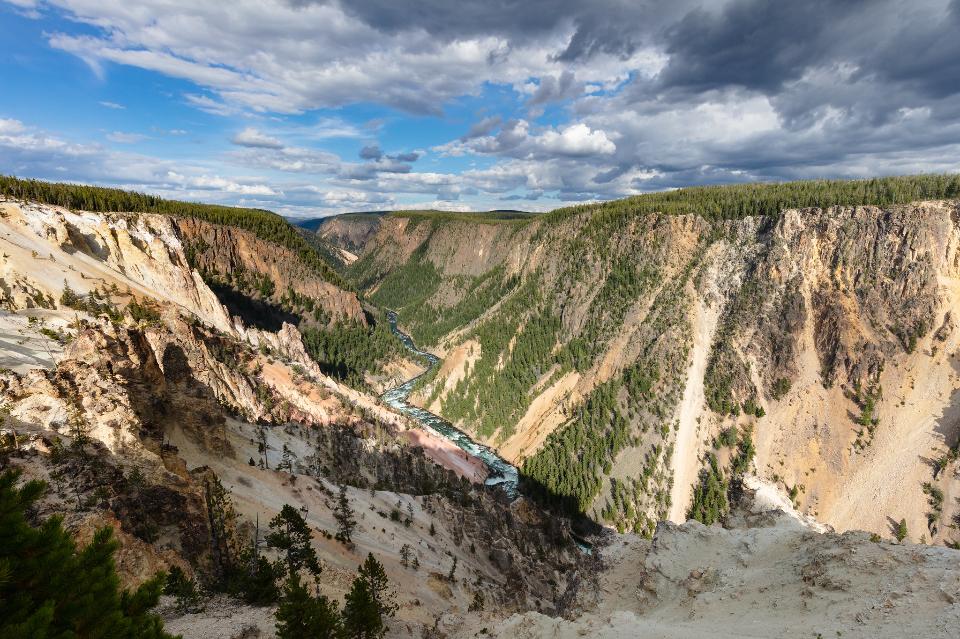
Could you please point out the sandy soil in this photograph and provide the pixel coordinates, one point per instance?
(261, 494)
(23, 346)
(777, 580)
(348, 257)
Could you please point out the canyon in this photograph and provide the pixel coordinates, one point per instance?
(784, 381)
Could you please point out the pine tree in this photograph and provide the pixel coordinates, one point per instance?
(304, 616)
(290, 534)
(361, 615)
(478, 601)
(286, 462)
(189, 597)
(48, 588)
(346, 522)
(258, 584)
(221, 518)
(902, 530)
(373, 574)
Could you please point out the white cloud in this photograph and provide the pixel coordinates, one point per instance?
(111, 105)
(217, 183)
(121, 137)
(326, 128)
(10, 126)
(209, 105)
(515, 139)
(315, 55)
(576, 140)
(251, 137)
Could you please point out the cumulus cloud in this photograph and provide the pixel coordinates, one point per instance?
(516, 139)
(576, 140)
(251, 137)
(640, 95)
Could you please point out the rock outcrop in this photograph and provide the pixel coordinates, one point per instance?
(226, 250)
(777, 579)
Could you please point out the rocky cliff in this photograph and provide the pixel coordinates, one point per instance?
(270, 272)
(136, 422)
(824, 335)
(775, 578)
(350, 231)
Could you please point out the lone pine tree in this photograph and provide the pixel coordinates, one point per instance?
(290, 534)
(343, 513)
(304, 616)
(369, 601)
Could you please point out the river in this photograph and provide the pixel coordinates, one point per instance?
(502, 473)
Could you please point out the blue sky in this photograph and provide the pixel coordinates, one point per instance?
(315, 107)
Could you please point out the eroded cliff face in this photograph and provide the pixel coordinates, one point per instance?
(133, 421)
(47, 248)
(228, 252)
(350, 232)
(853, 313)
(828, 334)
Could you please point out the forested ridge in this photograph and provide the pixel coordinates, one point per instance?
(737, 201)
(81, 197)
(488, 217)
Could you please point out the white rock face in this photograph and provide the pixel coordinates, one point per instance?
(46, 248)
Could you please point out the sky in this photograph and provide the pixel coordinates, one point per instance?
(314, 107)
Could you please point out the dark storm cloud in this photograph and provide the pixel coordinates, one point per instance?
(613, 27)
(483, 127)
(371, 152)
(553, 89)
(924, 53)
(451, 20)
(757, 44)
(412, 156)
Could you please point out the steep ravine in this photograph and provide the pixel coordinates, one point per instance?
(501, 472)
(801, 317)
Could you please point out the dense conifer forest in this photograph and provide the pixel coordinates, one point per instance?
(741, 200)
